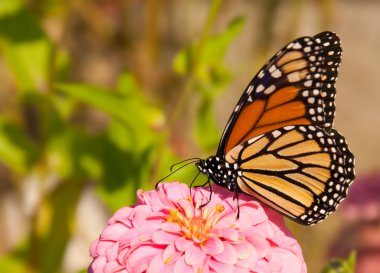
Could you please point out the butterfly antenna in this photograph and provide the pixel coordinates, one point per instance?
(193, 160)
(175, 164)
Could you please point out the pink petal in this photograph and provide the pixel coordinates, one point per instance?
(164, 238)
(113, 232)
(102, 247)
(260, 244)
(249, 262)
(112, 252)
(227, 221)
(130, 235)
(182, 267)
(204, 267)
(170, 227)
(275, 262)
(120, 215)
(228, 256)
(170, 254)
(213, 246)
(93, 248)
(144, 236)
(97, 265)
(290, 262)
(230, 234)
(243, 249)
(263, 266)
(182, 244)
(241, 270)
(194, 255)
(142, 255)
(112, 267)
(156, 265)
(181, 191)
(220, 267)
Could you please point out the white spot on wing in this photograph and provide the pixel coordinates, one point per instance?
(294, 77)
(260, 88)
(276, 133)
(270, 89)
(272, 68)
(276, 74)
(249, 90)
(297, 46)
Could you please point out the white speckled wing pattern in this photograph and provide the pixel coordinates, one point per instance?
(331, 45)
(301, 171)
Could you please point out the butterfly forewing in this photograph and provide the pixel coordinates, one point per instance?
(288, 90)
(301, 171)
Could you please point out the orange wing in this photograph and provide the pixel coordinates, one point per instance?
(289, 90)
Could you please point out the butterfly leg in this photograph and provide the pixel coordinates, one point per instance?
(210, 188)
(237, 202)
(192, 182)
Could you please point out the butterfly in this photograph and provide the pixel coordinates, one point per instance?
(279, 145)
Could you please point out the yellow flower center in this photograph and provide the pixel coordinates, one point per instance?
(196, 227)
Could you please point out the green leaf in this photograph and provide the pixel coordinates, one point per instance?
(341, 265)
(26, 48)
(128, 107)
(55, 226)
(207, 133)
(12, 264)
(16, 149)
(212, 53)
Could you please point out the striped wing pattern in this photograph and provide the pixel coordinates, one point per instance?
(301, 171)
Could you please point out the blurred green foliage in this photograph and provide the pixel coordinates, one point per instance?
(46, 137)
(341, 265)
(119, 158)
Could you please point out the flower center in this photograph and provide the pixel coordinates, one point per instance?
(196, 227)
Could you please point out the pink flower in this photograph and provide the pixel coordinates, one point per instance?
(166, 231)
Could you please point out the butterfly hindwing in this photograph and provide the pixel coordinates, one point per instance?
(289, 90)
(301, 171)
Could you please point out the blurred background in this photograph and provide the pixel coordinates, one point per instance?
(98, 98)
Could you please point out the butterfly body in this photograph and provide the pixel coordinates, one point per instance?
(279, 145)
(226, 174)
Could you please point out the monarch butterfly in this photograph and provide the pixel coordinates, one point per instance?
(279, 145)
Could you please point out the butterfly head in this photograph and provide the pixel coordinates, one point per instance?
(218, 170)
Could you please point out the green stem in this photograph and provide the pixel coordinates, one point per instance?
(215, 5)
(188, 87)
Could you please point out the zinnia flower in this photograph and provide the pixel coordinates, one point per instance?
(167, 231)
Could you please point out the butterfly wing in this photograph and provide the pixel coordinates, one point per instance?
(301, 171)
(295, 87)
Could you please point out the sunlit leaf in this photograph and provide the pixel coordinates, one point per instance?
(16, 149)
(25, 46)
(341, 265)
(50, 244)
(12, 264)
(212, 53)
(207, 133)
(129, 107)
